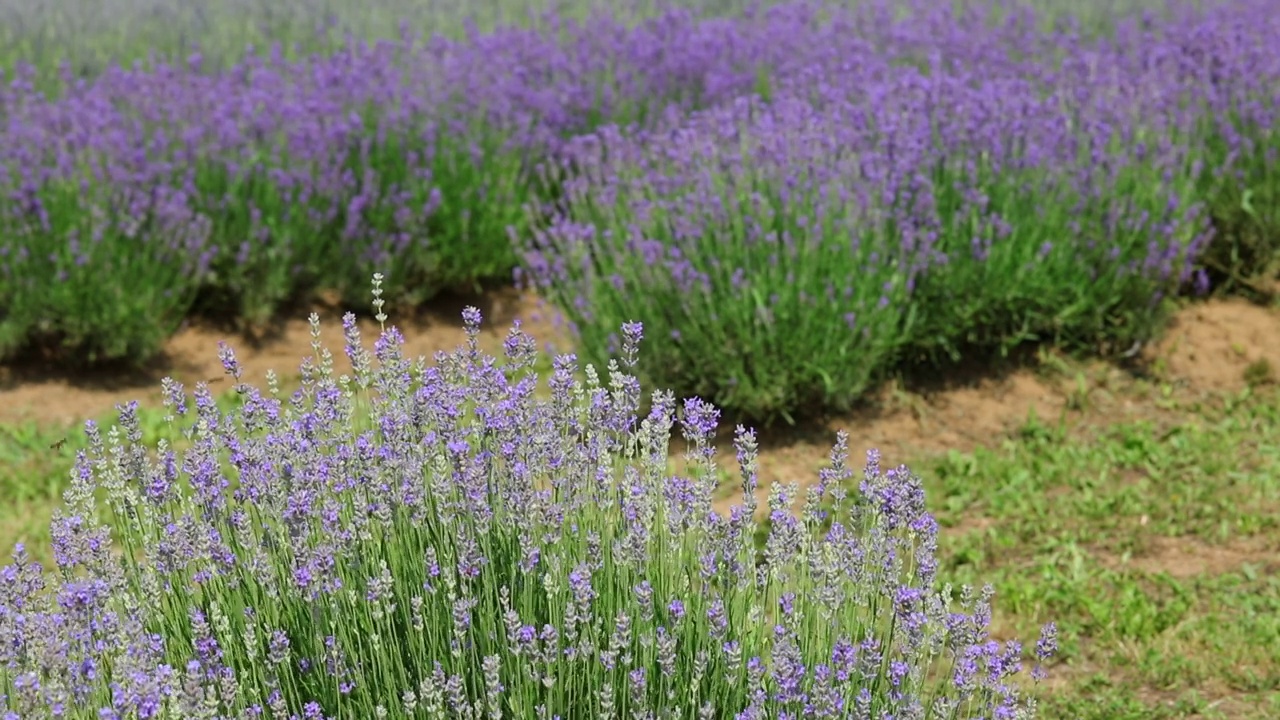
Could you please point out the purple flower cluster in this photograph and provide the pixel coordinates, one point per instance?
(448, 539)
(943, 181)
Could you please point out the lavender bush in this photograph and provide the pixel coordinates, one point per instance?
(438, 541)
(902, 204)
(765, 279)
(1230, 56)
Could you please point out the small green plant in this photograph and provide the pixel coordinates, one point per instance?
(1259, 372)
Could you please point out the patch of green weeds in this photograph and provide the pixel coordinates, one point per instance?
(1259, 372)
(1154, 545)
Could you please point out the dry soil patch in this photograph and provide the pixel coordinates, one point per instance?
(1209, 349)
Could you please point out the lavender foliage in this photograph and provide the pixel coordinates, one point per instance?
(449, 541)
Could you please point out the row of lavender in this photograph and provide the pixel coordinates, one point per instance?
(1009, 184)
(794, 199)
(130, 199)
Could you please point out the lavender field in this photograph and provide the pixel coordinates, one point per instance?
(858, 187)
(760, 212)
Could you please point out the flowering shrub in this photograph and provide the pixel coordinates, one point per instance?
(413, 541)
(917, 196)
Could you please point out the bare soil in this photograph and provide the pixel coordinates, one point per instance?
(1210, 348)
(1220, 345)
(1184, 558)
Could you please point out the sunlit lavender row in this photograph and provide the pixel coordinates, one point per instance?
(1008, 185)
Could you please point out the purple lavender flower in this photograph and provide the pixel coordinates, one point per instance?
(1046, 648)
(229, 362)
(676, 610)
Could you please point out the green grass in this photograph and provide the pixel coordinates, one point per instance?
(1153, 545)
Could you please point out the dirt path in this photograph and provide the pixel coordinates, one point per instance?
(1210, 348)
